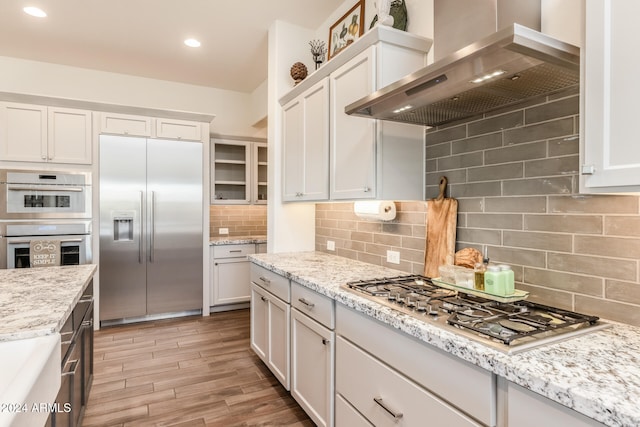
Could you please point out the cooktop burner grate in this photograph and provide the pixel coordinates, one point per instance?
(509, 324)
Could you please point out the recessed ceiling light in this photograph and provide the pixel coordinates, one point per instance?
(192, 43)
(35, 11)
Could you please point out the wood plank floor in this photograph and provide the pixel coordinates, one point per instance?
(196, 371)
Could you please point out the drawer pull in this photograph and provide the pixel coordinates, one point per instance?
(306, 303)
(236, 251)
(395, 415)
(266, 281)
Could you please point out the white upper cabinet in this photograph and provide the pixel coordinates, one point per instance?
(23, 134)
(35, 133)
(69, 136)
(353, 143)
(179, 129)
(125, 124)
(238, 172)
(367, 159)
(610, 154)
(306, 145)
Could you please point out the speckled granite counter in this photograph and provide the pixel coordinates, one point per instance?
(597, 374)
(37, 301)
(237, 240)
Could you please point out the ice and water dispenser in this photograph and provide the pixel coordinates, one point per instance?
(123, 228)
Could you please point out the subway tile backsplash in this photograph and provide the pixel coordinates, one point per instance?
(241, 220)
(515, 175)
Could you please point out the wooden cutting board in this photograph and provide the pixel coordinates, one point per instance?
(441, 231)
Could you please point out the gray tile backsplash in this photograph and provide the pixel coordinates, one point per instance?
(515, 175)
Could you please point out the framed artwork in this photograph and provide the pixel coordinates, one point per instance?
(346, 30)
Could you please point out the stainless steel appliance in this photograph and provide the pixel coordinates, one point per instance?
(28, 194)
(74, 237)
(151, 242)
(510, 327)
(505, 68)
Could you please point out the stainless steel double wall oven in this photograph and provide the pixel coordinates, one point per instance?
(44, 205)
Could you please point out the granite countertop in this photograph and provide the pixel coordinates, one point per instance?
(236, 240)
(37, 301)
(596, 374)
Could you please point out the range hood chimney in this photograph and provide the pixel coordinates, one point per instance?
(501, 69)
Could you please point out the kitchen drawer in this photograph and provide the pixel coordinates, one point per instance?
(476, 395)
(346, 415)
(276, 284)
(319, 307)
(387, 398)
(233, 251)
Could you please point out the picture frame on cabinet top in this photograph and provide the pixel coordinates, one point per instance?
(346, 30)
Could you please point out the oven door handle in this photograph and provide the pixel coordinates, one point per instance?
(62, 189)
(21, 242)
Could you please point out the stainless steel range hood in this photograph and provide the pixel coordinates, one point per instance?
(505, 68)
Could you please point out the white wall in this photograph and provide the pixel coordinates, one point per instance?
(419, 12)
(258, 112)
(290, 226)
(46, 79)
(563, 19)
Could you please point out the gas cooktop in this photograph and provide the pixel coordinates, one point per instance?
(509, 327)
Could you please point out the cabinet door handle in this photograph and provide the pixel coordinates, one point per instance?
(266, 281)
(263, 299)
(325, 341)
(306, 303)
(394, 414)
(366, 189)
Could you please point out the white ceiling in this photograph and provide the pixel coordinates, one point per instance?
(145, 37)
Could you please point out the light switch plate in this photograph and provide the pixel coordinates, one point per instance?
(393, 257)
(331, 245)
(223, 231)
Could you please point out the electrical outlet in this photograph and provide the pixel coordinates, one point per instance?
(223, 231)
(393, 257)
(331, 245)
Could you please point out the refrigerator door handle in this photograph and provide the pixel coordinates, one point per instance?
(141, 211)
(152, 226)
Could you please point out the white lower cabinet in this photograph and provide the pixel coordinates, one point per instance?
(393, 379)
(270, 321)
(230, 276)
(525, 408)
(313, 353)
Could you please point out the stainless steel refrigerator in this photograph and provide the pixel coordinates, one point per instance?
(151, 207)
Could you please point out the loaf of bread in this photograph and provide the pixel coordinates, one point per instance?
(467, 257)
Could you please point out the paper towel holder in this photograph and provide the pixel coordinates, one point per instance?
(377, 210)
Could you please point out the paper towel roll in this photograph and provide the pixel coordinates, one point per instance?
(380, 210)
